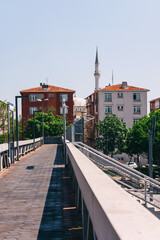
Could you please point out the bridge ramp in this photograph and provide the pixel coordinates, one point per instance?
(31, 197)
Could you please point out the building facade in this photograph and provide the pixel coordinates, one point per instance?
(155, 104)
(129, 103)
(49, 98)
(79, 108)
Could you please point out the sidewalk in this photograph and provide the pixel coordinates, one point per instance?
(31, 197)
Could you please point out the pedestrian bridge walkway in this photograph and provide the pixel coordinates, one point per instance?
(43, 199)
(33, 198)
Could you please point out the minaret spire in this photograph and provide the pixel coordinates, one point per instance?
(97, 60)
(112, 78)
(97, 72)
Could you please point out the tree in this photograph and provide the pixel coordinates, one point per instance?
(138, 137)
(112, 135)
(3, 117)
(53, 126)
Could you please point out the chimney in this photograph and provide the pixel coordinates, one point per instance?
(124, 85)
(44, 86)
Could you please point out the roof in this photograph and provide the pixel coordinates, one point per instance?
(155, 100)
(50, 89)
(79, 102)
(118, 87)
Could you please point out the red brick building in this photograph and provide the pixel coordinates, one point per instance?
(155, 104)
(51, 98)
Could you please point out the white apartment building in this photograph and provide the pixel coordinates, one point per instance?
(127, 102)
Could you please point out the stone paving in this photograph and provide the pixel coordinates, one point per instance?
(31, 198)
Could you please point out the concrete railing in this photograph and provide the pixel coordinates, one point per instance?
(107, 210)
(8, 156)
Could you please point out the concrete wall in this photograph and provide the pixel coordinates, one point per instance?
(113, 212)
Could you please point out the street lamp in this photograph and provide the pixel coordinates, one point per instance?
(17, 137)
(44, 100)
(34, 127)
(10, 107)
(64, 106)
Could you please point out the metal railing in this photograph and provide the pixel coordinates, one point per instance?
(8, 156)
(108, 212)
(138, 184)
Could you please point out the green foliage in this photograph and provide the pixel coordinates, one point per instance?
(3, 116)
(53, 126)
(145, 170)
(3, 138)
(112, 134)
(138, 137)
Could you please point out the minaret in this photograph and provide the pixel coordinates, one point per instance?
(97, 72)
(112, 77)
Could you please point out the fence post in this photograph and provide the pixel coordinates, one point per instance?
(145, 188)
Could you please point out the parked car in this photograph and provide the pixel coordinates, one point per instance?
(131, 164)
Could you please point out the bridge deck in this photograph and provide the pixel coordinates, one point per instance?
(33, 198)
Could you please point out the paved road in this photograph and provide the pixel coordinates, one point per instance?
(23, 202)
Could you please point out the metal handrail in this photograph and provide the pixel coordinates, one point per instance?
(133, 174)
(118, 163)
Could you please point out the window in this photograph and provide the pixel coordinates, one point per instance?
(137, 109)
(157, 104)
(120, 159)
(121, 119)
(108, 97)
(51, 95)
(64, 96)
(61, 110)
(92, 98)
(120, 95)
(96, 108)
(120, 108)
(33, 97)
(76, 109)
(136, 97)
(135, 120)
(108, 109)
(32, 109)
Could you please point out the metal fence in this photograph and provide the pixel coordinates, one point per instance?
(9, 155)
(144, 188)
(107, 211)
(75, 133)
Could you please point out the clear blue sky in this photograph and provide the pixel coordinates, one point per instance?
(58, 39)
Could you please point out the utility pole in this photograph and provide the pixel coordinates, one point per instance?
(13, 135)
(151, 141)
(64, 124)
(64, 127)
(9, 146)
(17, 134)
(150, 154)
(10, 107)
(34, 127)
(42, 101)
